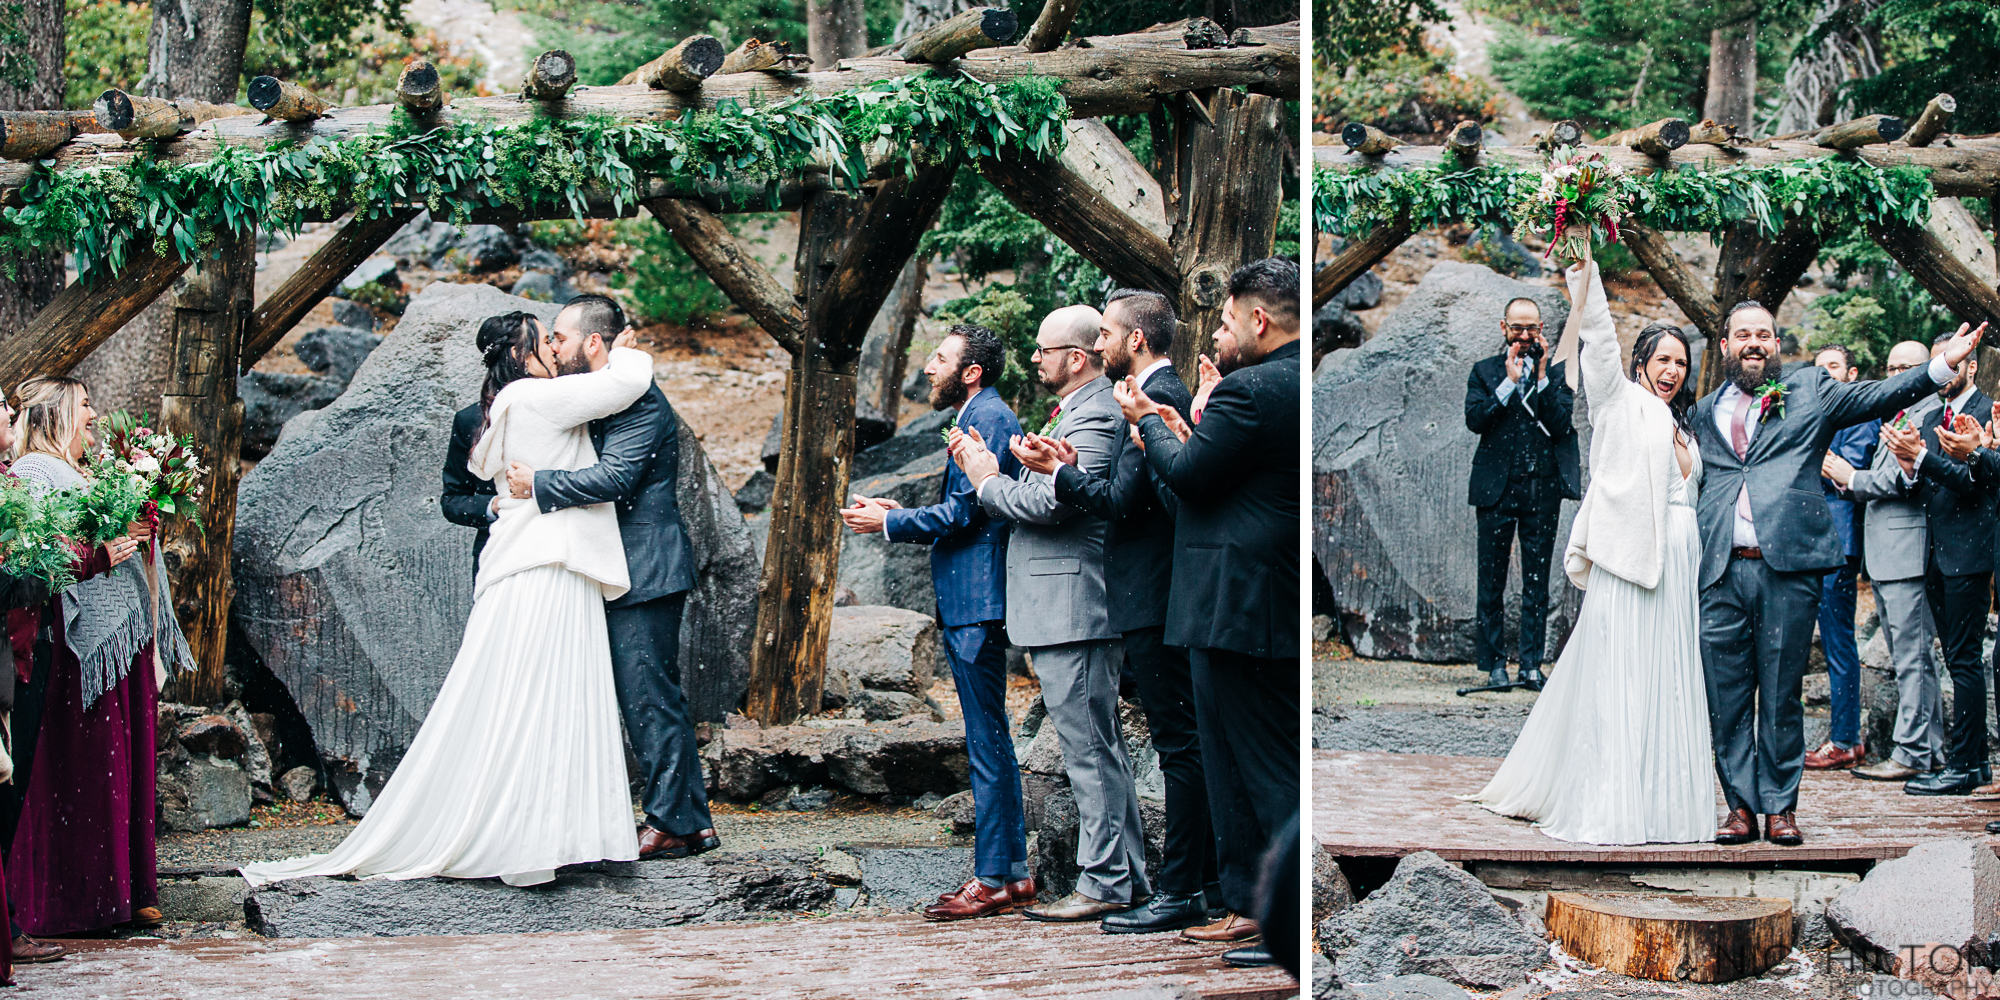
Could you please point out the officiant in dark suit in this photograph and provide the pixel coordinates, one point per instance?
(638, 466)
(1767, 540)
(1524, 468)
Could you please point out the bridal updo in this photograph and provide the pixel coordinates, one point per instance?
(1642, 351)
(506, 342)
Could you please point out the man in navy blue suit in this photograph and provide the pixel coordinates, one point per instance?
(969, 570)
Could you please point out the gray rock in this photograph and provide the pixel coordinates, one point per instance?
(906, 757)
(1326, 983)
(928, 801)
(543, 287)
(895, 574)
(919, 438)
(755, 493)
(958, 810)
(774, 442)
(1363, 293)
(880, 706)
(1330, 892)
(354, 314)
(903, 878)
(1334, 327)
(812, 801)
(1427, 909)
(1412, 987)
(422, 240)
(377, 270)
(712, 888)
(1942, 892)
(215, 736)
(916, 384)
(336, 351)
(354, 590)
(199, 792)
(272, 398)
(1390, 467)
(1504, 254)
(882, 648)
(536, 258)
(256, 759)
(212, 898)
(1479, 972)
(300, 783)
(488, 248)
(1322, 628)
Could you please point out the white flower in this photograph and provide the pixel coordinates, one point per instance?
(147, 464)
(139, 482)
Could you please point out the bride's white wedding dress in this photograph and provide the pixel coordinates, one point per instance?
(519, 768)
(1616, 750)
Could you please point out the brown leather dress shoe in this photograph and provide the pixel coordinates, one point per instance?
(654, 845)
(1741, 828)
(1229, 930)
(1783, 830)
(1074, 908)
(146, 916)
(1886, 770)
(28, 951)
(1830, 757)
(975, 899)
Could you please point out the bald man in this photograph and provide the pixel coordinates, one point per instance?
(1057, 610)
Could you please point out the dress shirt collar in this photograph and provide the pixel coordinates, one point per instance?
(1150, 369)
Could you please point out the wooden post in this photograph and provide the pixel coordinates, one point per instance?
(1936, 115)
(978, 28)
(420, 90)
(1231, 212)
(82, 316)
(682, 68)
(1656, 139)
(1779, 262)
(211, 309)
(1860, 132)
(1359, 256)
(334, 260)
(1367, 139)
(1051, 25)
(1463, 141)
(550, 77)
(284, 99)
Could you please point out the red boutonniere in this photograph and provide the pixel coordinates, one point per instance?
(1770, 395)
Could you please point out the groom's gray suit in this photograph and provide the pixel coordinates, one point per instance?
(1758, 608)
(1057, 608)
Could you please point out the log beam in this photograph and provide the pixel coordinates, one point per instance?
(1463, 140)
(1656, 139)
(740, 276)
(419, 90)
(1051, 25)
(1230, 216)
(1367, 139)
(1936, 115)
(1935, 267)
(1057, 197)
(550, 76)
(1707, 132)
(682, 68)
(31, 135)
(978, 28)
(1562, 133)
(1867, 131)
(211, 309)
(334, 260)
(83, 315)
(284, 100)
(1359, 256)
(134, 117)
(759, 56)
(1779, 264)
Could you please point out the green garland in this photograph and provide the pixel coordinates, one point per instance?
(1831, 193)
(97, 213)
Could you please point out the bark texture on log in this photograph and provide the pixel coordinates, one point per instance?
(979, 28)
(754, 55)
(1779, 264)
(740, 276)
(1054, 195)
(211, 309)
(1562, 133)
(284, 99)
(1367, 139)
(420, 90)
(885, 355)
(195, 49)
(1861, 132)
(1463, 141)
(1230, 216)
(31, 135)
(1359, 256)
(682, 68)
(1673, 938)
(1937, 114)
(334, 260)
(1051, 25)
(1655, 139)
(1935, 267)
(550, 76)
(82, 316)
(140, 117)
(1707, 132)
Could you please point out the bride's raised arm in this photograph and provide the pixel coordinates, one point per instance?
(1603, 375)
(572, 400)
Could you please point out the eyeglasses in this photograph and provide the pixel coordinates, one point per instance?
(1897, 369)
(1516, 328)
(1040, 350)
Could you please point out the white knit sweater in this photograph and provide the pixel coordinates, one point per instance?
(1622, 524)
(544, 423)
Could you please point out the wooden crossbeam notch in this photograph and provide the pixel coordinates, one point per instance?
(1860, 132)
(284, 100)
(1656, 139)
(682, 68)
(1367, 139)
(1936, 115)
(1202, 33)
(978, 28)
(550, 76)
(420, 90)
(1463, 141)
(1051, 25)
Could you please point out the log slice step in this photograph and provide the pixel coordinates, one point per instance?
(1673, 938)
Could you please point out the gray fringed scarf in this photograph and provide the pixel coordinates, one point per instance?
(105, 616)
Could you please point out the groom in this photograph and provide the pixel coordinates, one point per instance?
(638, 463)
(1766, 542)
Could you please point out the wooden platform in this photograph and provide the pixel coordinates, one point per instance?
(1389, 805)
(870, 958)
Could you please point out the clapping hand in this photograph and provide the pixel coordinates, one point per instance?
(1210, 377)
(968, 448)
(1172, 418)
(1904, 443)
(1963, 437)
(1837, 469)
(867, 514)
(1132, 400)
(1042, 454)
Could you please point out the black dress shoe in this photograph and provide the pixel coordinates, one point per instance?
(1250, 956)
(1994, 828)
(1532, 679)
(1497, 677)
(1164, 912)
(1950, 781)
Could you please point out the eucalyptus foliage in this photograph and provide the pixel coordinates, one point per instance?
(97, 213)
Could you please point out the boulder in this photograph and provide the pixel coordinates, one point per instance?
(488, 248)
(916, 384)
(1363, 293)
(1943, 891)
(376, 270)
(215, 736)
(300, 783)
(1326, 984)
(755, 493)
(958, 810)
(1330, 891)
(197, 792)
(1334, 328)
(352, 314)
(869, 703)
(256, 759)
(1427, 910)
(1411, 987)
(422, 241)
(336, 351)
(904, 878)
(354, 590)
(1499, 250)
(1391, 459)
(272, 398)
(543, 287)
(921, 437)
(886, 649)
(906, 758)
(536, 258)
(895, 574)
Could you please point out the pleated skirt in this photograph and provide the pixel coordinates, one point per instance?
(1616, 750)
(520, 766)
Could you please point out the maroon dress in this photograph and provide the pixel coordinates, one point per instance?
(83, 855)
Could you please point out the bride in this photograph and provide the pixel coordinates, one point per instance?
(1616, 750)
(519, 767)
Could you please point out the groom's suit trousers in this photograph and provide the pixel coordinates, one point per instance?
(1756, 635)
(645, 662)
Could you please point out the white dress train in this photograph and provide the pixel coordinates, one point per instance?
(519, 767)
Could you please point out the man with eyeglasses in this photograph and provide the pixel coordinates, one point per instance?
(1524, 468)
(1894, 541)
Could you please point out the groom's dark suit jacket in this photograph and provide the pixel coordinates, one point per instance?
(638, 463)
(1139, 542)
(1794, 529)
(466, 496)
(1959, 498)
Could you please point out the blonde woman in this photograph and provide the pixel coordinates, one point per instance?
(79, 813)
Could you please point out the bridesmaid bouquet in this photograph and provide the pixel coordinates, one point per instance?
(162, 469)
(1582, 195)
(35, 533)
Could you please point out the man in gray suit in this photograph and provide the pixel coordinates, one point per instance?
(1767, 539)
(1057, 610)
(1893, 547)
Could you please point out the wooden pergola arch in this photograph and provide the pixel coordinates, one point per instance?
(1950, 256)
(1221, 95)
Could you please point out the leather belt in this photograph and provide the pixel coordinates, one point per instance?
(1747, 552)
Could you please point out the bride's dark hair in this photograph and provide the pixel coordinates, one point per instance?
(1642, 351)
(507, 341)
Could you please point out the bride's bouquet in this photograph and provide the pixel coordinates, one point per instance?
(1581, 197)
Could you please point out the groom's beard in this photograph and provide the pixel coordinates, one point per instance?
(578, 365)
(1734, 371)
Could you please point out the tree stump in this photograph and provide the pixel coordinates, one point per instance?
(1698, 939)
(420, 90)
(284, 99)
